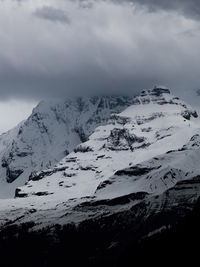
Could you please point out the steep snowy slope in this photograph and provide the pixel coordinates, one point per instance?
(135, 176)
(155, 175)
(156, 123)
(52, 131)
(131, 194)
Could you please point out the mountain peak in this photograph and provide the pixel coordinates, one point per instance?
(155, 123)
(51, 132)
(157, 90)
(158, 102)
(157, 95)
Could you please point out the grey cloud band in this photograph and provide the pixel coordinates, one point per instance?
(58, 48)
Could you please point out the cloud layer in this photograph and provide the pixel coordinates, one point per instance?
(190, 8)
(56, 48)
(52, 14)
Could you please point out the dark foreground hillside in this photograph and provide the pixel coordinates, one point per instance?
(179, 244)
(68, 246)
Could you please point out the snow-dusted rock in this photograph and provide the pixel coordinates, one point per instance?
(165, 185)
(135, 176)
(153, 125)
(156, 175)
(52, 131)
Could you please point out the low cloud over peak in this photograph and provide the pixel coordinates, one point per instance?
(56, 48)
(190, 8)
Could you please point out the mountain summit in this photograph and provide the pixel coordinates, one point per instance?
(136, 175)
(52, 131)
(155, 123)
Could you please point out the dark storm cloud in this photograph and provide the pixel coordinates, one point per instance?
(52, 14)
(190, 8)
(107, 48)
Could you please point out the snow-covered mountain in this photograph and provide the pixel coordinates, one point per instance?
(156, 123)
(136, 175)
(52, 131)
(168, 183)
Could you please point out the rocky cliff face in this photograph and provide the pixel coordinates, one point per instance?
(136, 175)
(100, 229)
(52, 131)
(154, 124)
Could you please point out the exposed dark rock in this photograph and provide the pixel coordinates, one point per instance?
(146, 130)
(20, 131)
(65, 174)
(73, 159)
(4, 163)
(66, 152)
(137, 170)
(159, 91)
(195, 114)
(121, 139)
(193, 143)
(163, 136)
(83, 149)
(87, 168)
(19, 194)
(104, 184)
(112, 202)
(170, 151)
(101, 156)
(119, 119)
(12, 174)
(24, 154)
(136, 101)
(132, 171)
(142, 120)
(61, 183)
(83, 137)
(36, 176)
(193, 181)
(187, 114)
(40, 194)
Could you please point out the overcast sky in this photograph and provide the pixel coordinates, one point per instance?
(56, 48)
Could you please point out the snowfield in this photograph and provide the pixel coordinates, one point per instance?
(153, 125)
(52, 131)
(143, 154)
